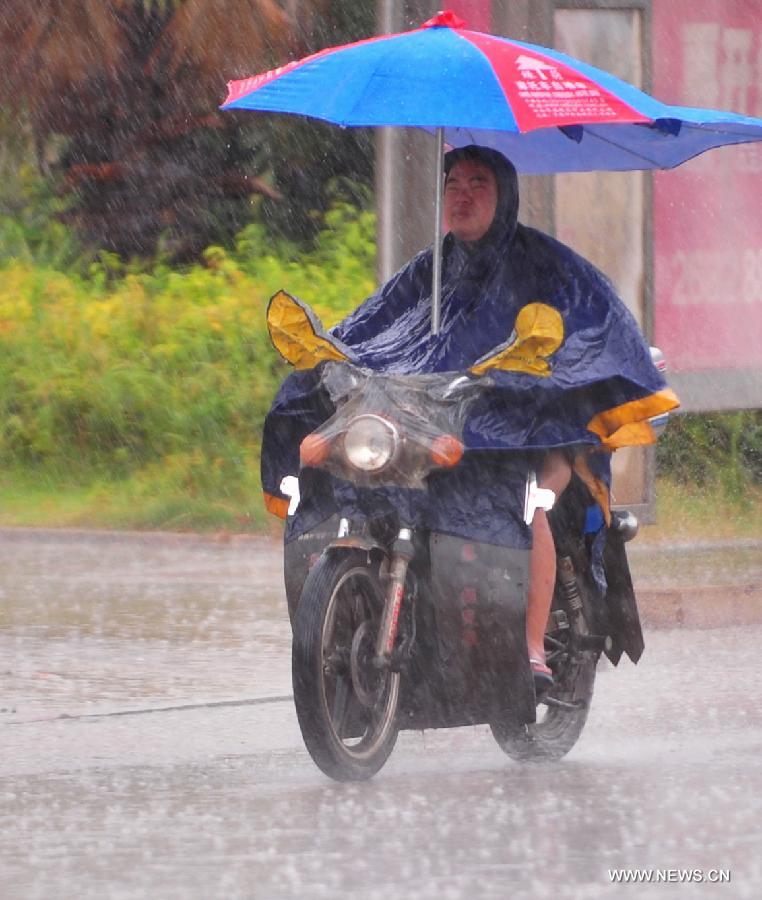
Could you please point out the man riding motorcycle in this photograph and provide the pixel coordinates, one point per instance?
(582, 371)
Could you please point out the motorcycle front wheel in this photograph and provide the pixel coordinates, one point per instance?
(345, 704)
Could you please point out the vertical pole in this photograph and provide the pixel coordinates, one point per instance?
(387, 151)
(436, 291)
(386, 200)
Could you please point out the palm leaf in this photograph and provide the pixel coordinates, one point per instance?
(232, 36)
(52, 45)
(134, 86)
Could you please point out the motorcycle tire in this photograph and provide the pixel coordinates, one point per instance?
(557, 729)
(346, 706)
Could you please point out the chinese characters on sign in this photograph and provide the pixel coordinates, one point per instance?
(548, 93)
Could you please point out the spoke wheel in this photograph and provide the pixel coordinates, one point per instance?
(345, 704)
(557, 729)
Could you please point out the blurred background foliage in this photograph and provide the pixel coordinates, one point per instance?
(144, 388)
(115, 103)
(141, 233)
(714, 448)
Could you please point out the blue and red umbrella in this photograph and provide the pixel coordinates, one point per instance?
(544, 110)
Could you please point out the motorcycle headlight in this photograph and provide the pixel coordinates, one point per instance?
(370, 443)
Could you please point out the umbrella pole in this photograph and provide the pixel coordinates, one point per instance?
(436, 292)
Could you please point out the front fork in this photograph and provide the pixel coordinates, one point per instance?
(402, 553)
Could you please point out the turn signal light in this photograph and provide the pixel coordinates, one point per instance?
(313, 450)
(446, 450)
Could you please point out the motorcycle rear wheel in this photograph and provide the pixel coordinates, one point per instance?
(346, 706)
(557, 729)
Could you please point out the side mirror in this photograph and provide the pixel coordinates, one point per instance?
(658, 359)
(659, 423)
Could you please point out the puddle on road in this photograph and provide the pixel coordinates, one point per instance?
(90, 626)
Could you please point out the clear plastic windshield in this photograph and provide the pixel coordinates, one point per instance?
(391, 429)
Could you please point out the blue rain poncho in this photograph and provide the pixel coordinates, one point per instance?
(575, 370)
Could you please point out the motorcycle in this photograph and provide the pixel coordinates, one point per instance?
(400, 625)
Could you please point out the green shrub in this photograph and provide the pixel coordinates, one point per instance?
(709, 448)
(161, 377)
(29, 225)
(148, 385)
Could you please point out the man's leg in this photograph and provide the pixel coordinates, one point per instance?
(556, 474)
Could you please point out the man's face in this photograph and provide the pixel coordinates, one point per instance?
(470, 199)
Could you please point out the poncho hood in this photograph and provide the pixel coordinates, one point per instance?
(391, 331)
(485, 251)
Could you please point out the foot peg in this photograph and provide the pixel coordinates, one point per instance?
(543, 677)
(563, 704)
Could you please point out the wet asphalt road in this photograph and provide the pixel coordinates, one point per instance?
(146, 750)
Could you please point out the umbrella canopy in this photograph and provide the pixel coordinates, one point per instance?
(546, 111)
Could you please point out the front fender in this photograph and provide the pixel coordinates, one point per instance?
(357, 542)
(301, 554)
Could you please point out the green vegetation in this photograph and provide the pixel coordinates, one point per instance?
(710, 483)
(717, 450)
(706, 512)
(118, 102)
(133, 396)
(31, 206)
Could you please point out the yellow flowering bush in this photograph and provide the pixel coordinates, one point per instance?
(161, 377)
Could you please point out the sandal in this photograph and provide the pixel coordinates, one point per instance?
(543, 677)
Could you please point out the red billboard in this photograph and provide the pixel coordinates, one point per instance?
(707, 213)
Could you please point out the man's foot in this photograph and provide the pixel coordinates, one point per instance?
(543, 677)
